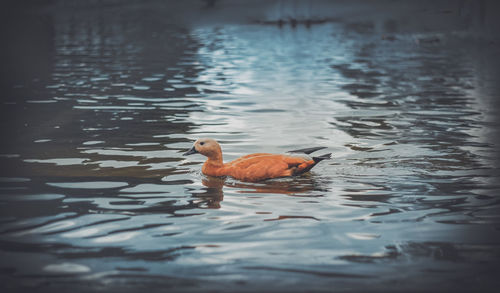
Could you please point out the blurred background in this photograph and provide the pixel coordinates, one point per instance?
(99, 99)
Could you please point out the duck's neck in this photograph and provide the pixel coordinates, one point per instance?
(215, 160)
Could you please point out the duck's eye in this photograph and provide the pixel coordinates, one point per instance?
(202, 143)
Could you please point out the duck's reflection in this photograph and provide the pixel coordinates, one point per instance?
(213, 193)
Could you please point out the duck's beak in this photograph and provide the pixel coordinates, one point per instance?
(190, 152)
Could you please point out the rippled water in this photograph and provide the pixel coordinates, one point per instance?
(95, 191)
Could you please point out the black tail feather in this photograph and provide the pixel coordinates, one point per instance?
(316, 161)
(322, 157)
(307, 151)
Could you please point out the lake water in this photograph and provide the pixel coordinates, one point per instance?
(96, 195)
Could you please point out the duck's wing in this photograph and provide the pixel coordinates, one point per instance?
(256, 168)
(307, 151)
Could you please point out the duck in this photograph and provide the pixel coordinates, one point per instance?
(255, 167)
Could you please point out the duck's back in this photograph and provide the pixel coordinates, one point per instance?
(260, 166)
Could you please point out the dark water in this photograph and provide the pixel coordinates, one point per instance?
(99, 105)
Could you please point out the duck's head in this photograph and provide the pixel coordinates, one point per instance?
(207, 147)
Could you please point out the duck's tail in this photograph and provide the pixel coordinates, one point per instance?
(321, 158)
(305, 167)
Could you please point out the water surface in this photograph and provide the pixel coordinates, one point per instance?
(95, 192)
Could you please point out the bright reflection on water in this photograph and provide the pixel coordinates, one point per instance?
(96, 189)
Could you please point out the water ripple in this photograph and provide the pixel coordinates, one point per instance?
(96, 189)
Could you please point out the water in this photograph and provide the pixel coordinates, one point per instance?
(95, 193)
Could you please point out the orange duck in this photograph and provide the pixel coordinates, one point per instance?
(254, 167)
